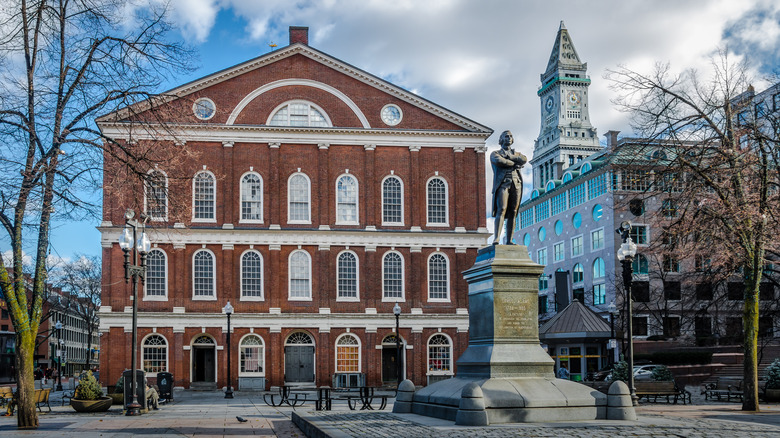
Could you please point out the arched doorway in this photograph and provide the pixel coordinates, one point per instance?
(299, 358)
(389, 355)
(204, 354)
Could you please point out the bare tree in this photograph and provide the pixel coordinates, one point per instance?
(81, 279)
(63, 63)
(727, 167)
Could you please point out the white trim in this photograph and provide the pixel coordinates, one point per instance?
(299, 82)
(241, 219)
(336, 352)
(382, 205)
(357, 277)
(262, 365)
(146, 196)
(213, 297)
(314, 353)
(357, 200)
(446, 203)
(563, 252)
(400, 113)
(428, 270)
(402, 298)
(243, 297)
(428, 372)
(301, 101)
(603, 240)
(165, 264)
(289, 276)
(582, 245)
(308, 183)
(167, 350)
(214, 201)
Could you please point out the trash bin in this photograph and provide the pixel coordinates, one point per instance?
(140, 388)
(165, 385)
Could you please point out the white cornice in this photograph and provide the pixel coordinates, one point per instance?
(276, 238)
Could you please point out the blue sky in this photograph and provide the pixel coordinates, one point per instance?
(481, 59)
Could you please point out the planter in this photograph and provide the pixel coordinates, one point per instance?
(118, 398)
(101, 405)
(772, 395)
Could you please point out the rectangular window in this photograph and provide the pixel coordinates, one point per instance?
(765, 326)
(542, 304)
(702, 326)
(671, 326)
(541, 256)
(671, 264)
(558, 251)
(736, 291)
(641, 291)
(542, 211)
(638, 234)
(704, 291)
(635, 180)
(669, 208)
(576, 195)
(597, 186)
(599, 294)
(347, 358)
(558, 203)
(527, 217)
(576, 246)
(597, 239)
(672, 290)
(543, 279)
(639, 326)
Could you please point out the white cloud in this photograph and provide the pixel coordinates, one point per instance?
(195, 17)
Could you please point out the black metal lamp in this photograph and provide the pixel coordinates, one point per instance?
(626, 255)
(60, 342)
(228, 309)
(397, 313)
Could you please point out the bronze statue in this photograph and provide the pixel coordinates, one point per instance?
(507, 185)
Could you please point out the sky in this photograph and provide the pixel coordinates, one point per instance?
(479, 58)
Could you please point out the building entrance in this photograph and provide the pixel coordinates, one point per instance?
(299, 359)
(203, 363)
(389, 357)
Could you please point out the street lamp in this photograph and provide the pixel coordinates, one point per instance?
(228, 309)
(397, 313)
(612, 309)
(626, 255)
(130, 242)
(58, 326)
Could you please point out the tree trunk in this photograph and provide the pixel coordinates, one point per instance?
(750, 322)
(89, 347)
(26, 417)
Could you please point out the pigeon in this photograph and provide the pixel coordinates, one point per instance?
(241, 420)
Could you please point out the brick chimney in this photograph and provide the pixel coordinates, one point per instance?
(299, 34)
(612, 138)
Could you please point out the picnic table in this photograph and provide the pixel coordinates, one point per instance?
(365, 395)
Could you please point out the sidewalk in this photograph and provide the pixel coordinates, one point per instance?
(204, 414)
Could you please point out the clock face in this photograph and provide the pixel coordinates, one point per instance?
(204, 108)
(549, 103)
(391, 115)
(574, 98)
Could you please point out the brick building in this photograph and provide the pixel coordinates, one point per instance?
(314, 197)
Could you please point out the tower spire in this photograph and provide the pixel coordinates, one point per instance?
(563, 51)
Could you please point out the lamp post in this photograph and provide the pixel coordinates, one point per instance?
(130, 242)
(228, 309)
(58, 326)
(612, 309)
(626, 255)
(397, 313)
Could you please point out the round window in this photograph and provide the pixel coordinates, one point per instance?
(542, 234)
(576, 220)
(558, 228)
(391, 115)
(204, 108)
(527, 239)
(598, 211)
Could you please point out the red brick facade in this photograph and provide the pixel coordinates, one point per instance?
(429, 142)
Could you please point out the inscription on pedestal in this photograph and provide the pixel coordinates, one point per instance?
(516, 315)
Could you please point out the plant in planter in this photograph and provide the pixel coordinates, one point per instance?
(89, 396)
(620, 371)
(662, 374)
(773, 381)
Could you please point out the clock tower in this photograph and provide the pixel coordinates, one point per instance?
(566, 135)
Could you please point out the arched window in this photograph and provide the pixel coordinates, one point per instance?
(155, 282)
(347, 354)
(346, 200)
(156, 199)
(438, 278)
(252, 356)
(300, 275)
(299, 113)
(252, 275)
(439, 354)
(298, 195)
(204, 284)
(437, 201)
(347, 266)
(598, 268)
(392, 277)
(392, 201)
(204, 197)
(251, 198)
(155, 354)
(640, 264)
(578, 273)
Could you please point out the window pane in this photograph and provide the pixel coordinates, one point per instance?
(204, 196)
(439, 353)
(437, 277)
(155, 354)
(437, 202)
(347, 275)
(251, 351)
(346, 199)
(300, 276)
(299, 198)
(204, 274)
(155, 273)
(156, 196)
(392, 274)
(347, 355)
(252, 275)
(251, 198)
(391, 197)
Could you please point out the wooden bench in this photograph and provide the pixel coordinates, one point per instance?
(42, 398)
(657, 389)
(723, 387)
(6, 395)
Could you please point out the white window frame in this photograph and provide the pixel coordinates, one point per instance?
(289, 192)
(538, 256)
(446, 222)
(241, 277)
(647, 234)
(241, 219)
(593, 269)
(382, 187)
(357, 200)
(164, 297)
(603, 242)
(299, 101)
(593, 293)
(402, 298)
(213, 201)
(447, 273)
(146, 196)
(430, 372)
(357, 277)
(359, 350)
(167, 350)
(262, 361)
(289, 276)
(582, 245)
(212, 297)
(562, 253)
